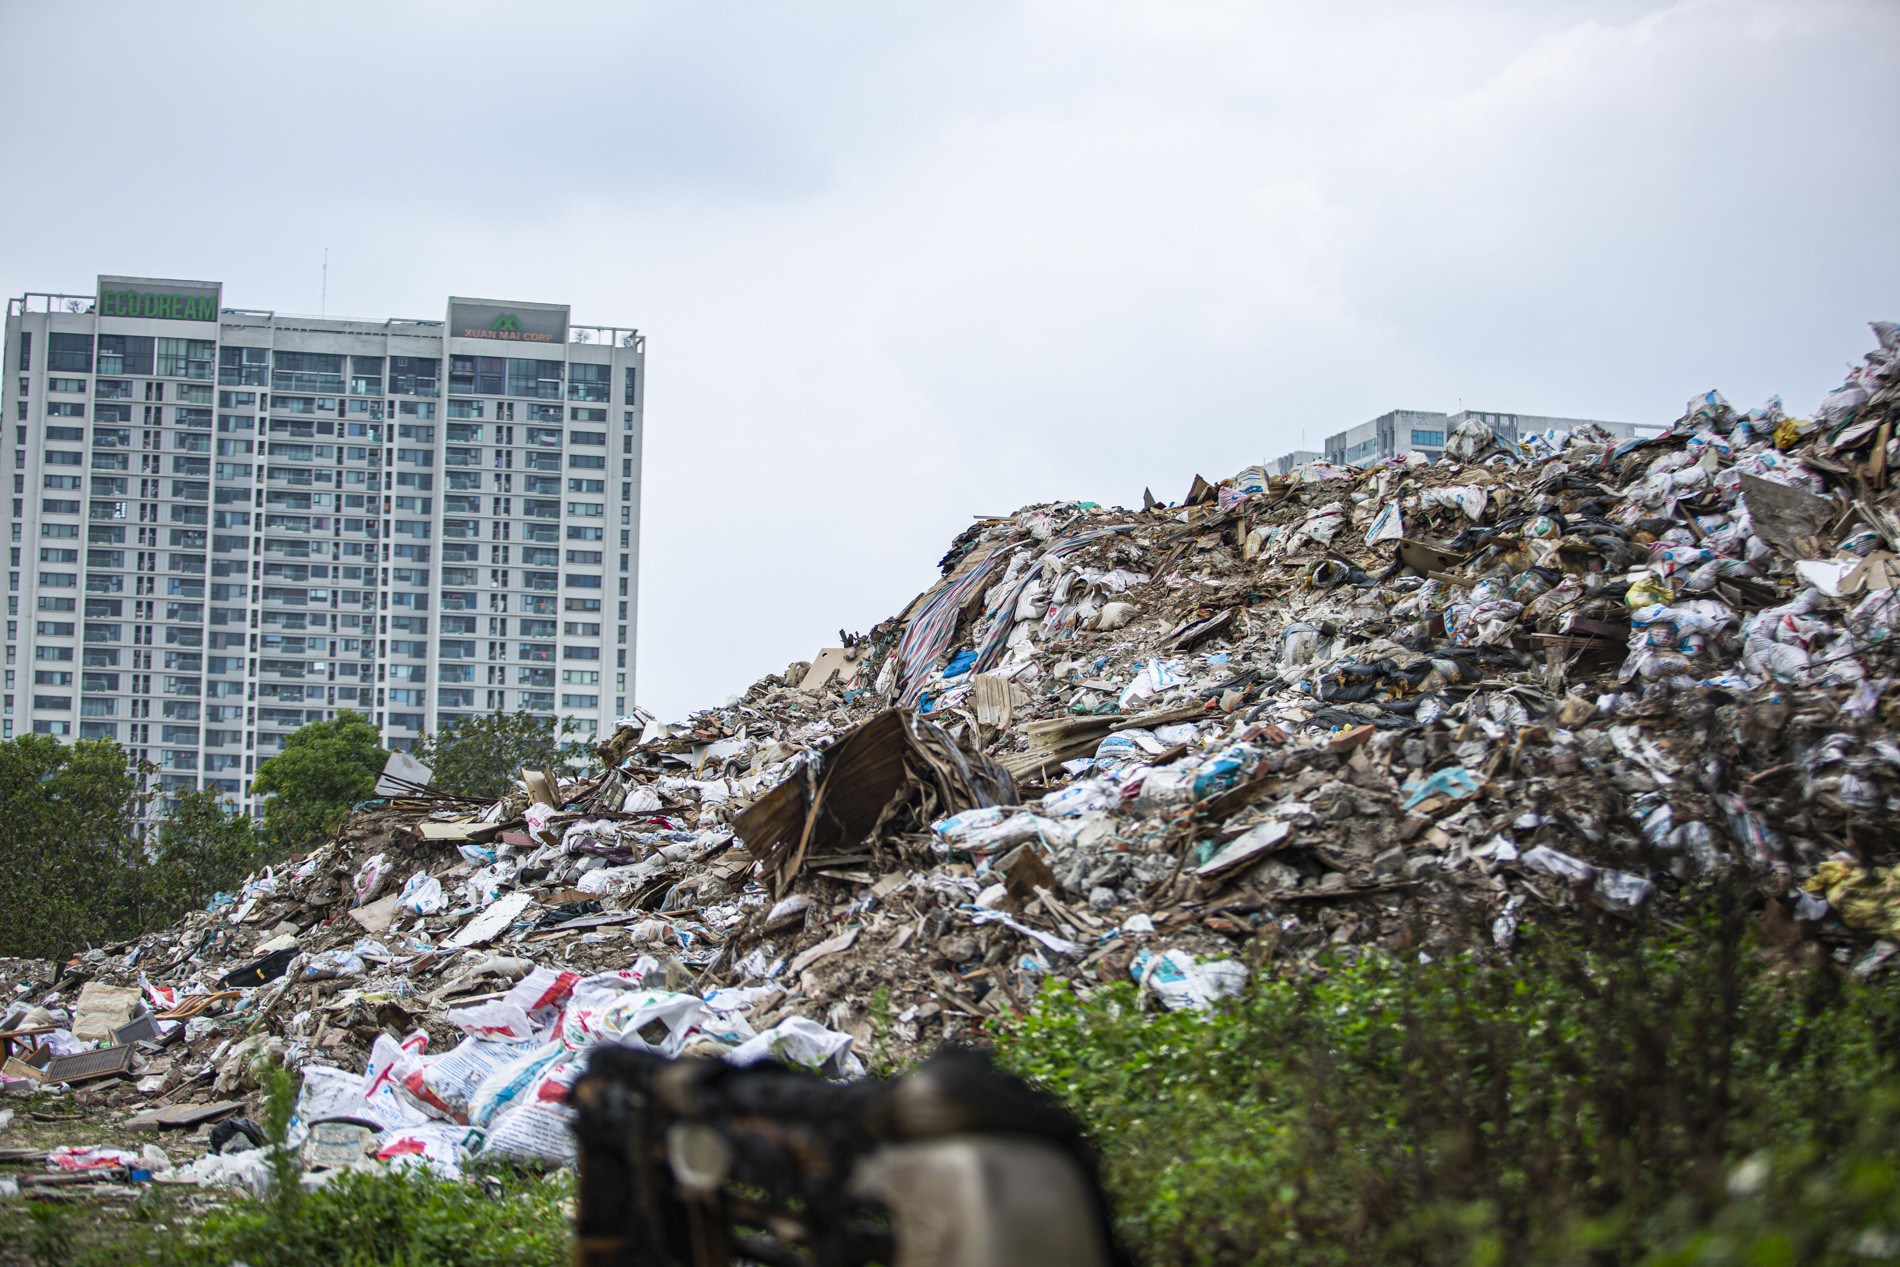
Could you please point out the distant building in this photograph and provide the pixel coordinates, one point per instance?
(1284, 464)
(1405, 431)
(227, 523)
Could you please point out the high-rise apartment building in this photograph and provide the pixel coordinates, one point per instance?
(226, 523)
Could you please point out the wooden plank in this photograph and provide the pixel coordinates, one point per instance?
(448, 831)
(492, 922)
(183, 1116)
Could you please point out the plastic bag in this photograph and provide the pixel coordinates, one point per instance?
(1389, 526)
(957, 826)
(422, 895)
(482, 888)
(1181, 980)
(327, 1093)
(368, 874)
(1452, 781)
(1469, 441)
(445, 1084)
(389, 1063)
(794, 1041)
(1557, 863)
(537, 1127)
(1224, 770)
(497, 1019)
(504, 1087)
(1468, 498)
(542, 994)
(331, 964)
(1154, 677)
(651, 1020)
(611, 1005)
(1016, 829)
(1079, 798)
(440, 1146)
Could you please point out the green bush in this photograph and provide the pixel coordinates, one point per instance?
(1588, 1102)
(403, 1216)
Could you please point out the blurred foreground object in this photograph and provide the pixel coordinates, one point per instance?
(697, 1163)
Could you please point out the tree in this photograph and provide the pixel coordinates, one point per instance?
(482, 756)
(204, 845)
(324, 769)
(72, 865)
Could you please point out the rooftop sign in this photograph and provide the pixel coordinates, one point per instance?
(158, 298)
(508, 322)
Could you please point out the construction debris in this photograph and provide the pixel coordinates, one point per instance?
(1409, 709)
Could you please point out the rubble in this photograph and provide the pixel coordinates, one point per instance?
(1407, 709)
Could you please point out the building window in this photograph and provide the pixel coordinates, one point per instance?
(630, 387)
(587, 415)
(125, 353)
(26, 351)
(1428, 437)
(540, 379)
(69, 353)
(587, 382)
(185, 358)
(307, 372)
(481, 375)
(243, 367)
(415, 376)
(366, 376)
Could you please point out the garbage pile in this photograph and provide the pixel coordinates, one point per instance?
(1405, 709)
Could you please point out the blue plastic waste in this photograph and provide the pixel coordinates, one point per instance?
(1453, 781)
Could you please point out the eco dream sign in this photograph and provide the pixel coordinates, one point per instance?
(154, 298)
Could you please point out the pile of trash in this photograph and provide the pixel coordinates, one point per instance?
(1405, 709)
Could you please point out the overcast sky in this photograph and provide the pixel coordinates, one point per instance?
(902, 264)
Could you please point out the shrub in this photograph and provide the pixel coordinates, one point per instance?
(1585, 1103)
